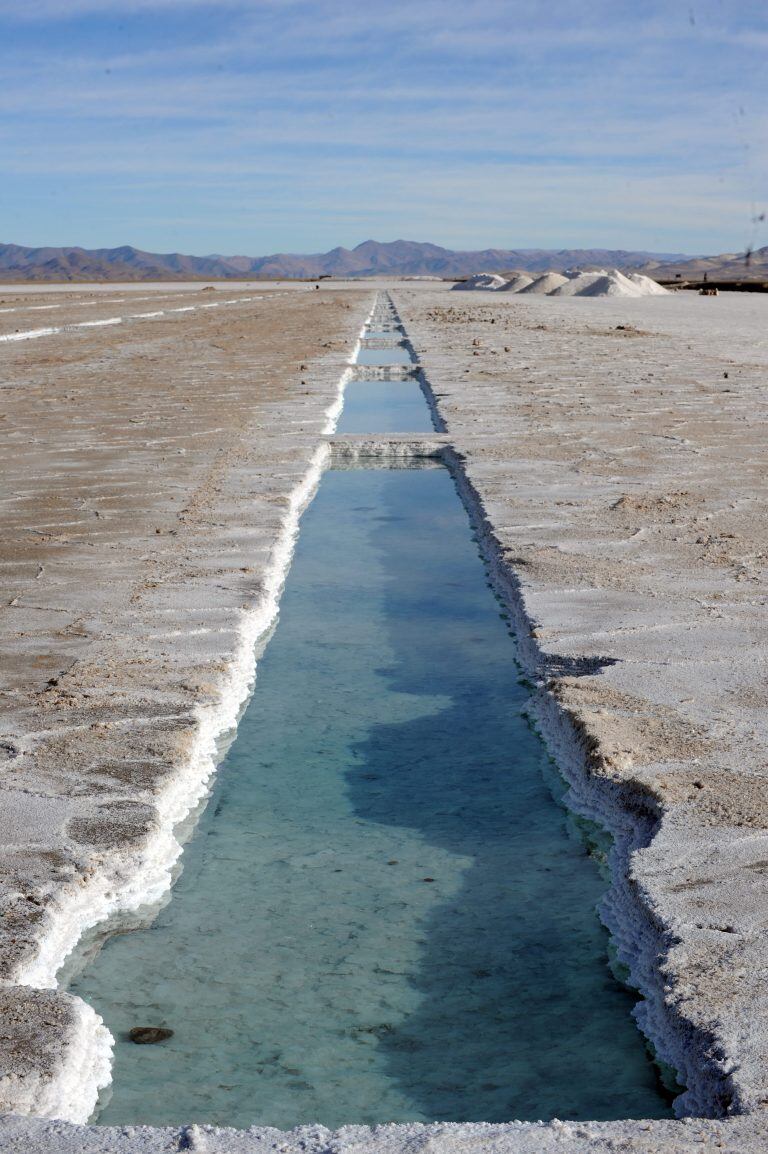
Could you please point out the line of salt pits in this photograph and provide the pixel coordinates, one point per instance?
(384, 913)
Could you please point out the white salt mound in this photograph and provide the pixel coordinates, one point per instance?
(481, 280)
(545, 284)
(598, 283)
(612, 284)
(576, 284)
(516, 284)
(650, 287)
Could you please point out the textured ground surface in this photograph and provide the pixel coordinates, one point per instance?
(738, 1136)
(146, 473)
(617, 450)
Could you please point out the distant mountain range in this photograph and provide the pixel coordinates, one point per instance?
(727, 266)
(397, 258)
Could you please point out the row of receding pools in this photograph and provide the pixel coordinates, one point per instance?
(384, 912)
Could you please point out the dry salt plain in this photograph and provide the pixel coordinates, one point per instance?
(156, 455)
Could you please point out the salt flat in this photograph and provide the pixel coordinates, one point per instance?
(613, 451)
(617, 451)
(150, 474)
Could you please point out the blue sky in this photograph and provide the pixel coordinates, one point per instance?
(255, 126)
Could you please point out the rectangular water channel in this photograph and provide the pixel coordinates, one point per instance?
(385, 407)
(384, 913)
(392, 355)
(373, 405)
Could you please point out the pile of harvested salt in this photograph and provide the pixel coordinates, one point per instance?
(577, 283)
(599, 283)
(650, 287)
(481, 280)
(610, 286)
(516, 283)
(545, 284)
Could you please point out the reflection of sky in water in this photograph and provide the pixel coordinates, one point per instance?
(384, 407)
(383, 915)
(391, 356)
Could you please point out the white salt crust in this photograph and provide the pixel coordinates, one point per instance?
(34, 334)
(130, 881)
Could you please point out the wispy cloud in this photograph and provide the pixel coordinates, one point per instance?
(298, 122)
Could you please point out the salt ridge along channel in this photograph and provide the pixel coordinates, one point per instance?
(384, 913)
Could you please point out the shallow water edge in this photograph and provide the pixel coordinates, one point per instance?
(128, 881)
(385, 725)
(564, 743)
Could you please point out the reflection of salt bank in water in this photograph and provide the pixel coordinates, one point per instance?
(382, 915)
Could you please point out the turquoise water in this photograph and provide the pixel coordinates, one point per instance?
(384, 913)
(384, 407)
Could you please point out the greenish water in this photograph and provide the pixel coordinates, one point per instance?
(384, 913)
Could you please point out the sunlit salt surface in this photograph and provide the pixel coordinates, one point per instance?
(384, 913)
(384, 407)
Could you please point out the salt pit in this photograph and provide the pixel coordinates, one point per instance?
(385, 404)
(384, 914)
(689, 1003)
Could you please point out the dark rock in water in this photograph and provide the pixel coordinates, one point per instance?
(148, 1035)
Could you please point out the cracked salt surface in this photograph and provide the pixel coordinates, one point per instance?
(384, 914)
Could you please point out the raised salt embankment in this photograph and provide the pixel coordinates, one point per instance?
(152, 480)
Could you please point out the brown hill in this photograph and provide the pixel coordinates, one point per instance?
(726, 266)
(396, 258)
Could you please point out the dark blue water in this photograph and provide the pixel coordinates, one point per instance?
(384, 913)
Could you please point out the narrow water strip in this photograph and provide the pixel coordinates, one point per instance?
(384, 914)
(385, 396)
(376, 406)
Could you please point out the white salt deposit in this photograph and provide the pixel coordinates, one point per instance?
(650, 287)
(481, 280)
(516, 283)
(577, 282)
(609, 283)
(545, 284)
(596, 283)
(612, 284)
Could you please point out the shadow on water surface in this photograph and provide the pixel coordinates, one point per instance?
(518, 1013)
(382, 915)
